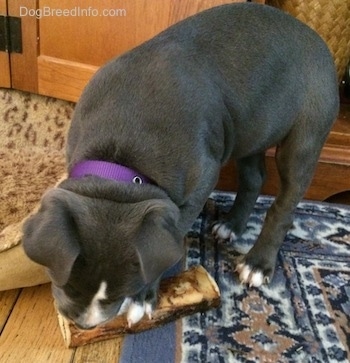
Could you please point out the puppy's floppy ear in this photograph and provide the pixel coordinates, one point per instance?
(160, 244)
(50, 236)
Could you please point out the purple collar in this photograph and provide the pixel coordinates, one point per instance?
(107, 170)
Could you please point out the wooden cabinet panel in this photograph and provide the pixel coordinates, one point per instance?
(72, 47)
(24, 69)
(65, 41)
(97, 30)
(5, 80)
(63, 78)
(332, 175)
(331, 178)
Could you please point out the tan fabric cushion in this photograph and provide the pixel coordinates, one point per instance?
(32, 139)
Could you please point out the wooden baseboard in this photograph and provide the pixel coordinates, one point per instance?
(61, 78)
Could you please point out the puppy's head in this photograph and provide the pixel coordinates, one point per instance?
(100, 253)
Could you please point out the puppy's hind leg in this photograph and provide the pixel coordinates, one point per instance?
(251, 174)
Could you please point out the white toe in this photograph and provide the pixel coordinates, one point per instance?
(222, 232)
(135, 313)
(239, 267)
(249, 276)
(256, 279)
(148, 310)
(244, 274)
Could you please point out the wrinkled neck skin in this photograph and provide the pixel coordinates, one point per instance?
(95, 187)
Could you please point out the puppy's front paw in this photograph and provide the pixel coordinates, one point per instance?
(223, 231)
(137, 310)
(251, 275)
(142, 304)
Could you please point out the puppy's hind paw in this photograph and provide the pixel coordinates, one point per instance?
(223, 231)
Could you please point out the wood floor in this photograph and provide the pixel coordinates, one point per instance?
(30, 332)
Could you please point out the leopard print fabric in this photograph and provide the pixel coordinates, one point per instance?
(32, 138)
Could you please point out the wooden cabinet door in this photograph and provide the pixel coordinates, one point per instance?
(23, 66)
(78, 36)
(66, 41)
(5, 80)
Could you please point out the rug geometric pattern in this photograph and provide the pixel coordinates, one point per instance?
(302, 316)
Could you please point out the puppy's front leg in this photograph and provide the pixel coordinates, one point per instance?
(251, 174)
(296, 159)
(258, 265)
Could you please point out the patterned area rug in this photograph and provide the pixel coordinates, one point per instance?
(302, 316)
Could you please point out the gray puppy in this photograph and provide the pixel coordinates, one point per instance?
(145, 147)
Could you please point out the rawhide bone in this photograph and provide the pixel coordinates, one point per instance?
(189, 292)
